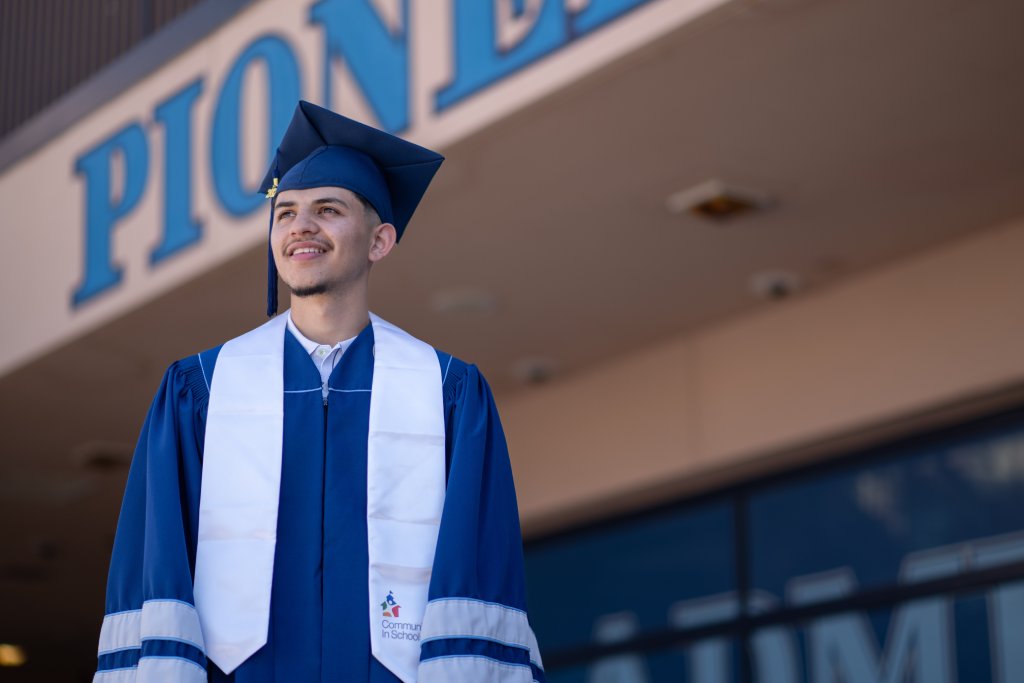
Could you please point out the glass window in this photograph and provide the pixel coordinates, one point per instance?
(711, 661)
(922, 515)
(612, 584)
(939, 639)
(944, 507)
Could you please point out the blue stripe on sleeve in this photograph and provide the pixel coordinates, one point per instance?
(127, 658)
(173, 648)
(478, 647)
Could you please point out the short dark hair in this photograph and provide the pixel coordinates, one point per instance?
(372, 216)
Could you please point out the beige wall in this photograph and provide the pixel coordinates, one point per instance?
(940, 328)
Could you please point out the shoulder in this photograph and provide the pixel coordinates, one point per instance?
(453, 374)
(192, 374)
(462, 380)
(452, 368)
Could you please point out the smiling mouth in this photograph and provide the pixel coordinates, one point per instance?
(307, 250)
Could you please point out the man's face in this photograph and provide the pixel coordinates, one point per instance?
(322, 240)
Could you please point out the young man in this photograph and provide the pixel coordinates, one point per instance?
(324, 498)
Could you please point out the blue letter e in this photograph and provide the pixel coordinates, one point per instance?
(102, 211)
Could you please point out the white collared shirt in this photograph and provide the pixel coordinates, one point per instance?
(323, 356)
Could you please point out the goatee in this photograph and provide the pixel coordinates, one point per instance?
(312, 290)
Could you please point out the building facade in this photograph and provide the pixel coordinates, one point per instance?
(785, 444)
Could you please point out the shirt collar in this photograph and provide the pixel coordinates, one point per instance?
(310, 345)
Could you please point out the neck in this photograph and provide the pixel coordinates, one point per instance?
(330, 318)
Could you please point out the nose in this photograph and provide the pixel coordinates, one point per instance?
(304, 222)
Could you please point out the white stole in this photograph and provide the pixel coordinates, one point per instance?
(241, 484)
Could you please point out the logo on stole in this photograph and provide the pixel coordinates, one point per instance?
(390, 607)
(390, 627)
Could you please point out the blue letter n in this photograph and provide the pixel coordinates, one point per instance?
(378, 59)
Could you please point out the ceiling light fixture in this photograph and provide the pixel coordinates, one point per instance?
(12, 655)
(716, 200)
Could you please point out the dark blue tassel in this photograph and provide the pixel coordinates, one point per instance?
(271, 268)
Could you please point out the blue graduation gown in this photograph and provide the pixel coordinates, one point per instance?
(319, 629)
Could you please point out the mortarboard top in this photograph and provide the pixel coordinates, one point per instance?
(324, 149)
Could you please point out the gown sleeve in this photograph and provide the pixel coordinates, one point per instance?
(475, 627)
(150, 630)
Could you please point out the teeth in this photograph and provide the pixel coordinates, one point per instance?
(308, 250)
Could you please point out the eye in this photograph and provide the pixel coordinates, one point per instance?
(330, 209)
(285, 213)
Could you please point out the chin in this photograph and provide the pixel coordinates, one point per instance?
(304, 292)
(306, 289)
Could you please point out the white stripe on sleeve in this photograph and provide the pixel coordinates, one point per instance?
(120, 631)
(467, 618)
(171, 620)
(116, 676)
(164, 669)
(472, 669)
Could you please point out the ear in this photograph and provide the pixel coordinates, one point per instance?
(382, 241)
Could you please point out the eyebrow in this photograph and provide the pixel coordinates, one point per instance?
(321, 200)
(332, 200)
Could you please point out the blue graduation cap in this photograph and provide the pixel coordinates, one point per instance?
(324, 149)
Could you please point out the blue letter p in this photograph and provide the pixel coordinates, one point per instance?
(102, 212)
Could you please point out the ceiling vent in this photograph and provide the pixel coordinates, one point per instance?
(464, 301)
(102, 456)
(23, 572)
(534, 369)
